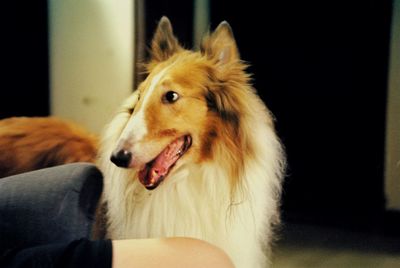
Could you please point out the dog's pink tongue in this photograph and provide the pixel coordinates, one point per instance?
(152, 175)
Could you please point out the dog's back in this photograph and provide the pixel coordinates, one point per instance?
(30, 143)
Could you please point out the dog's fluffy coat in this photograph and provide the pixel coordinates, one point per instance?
(226, 188)
(30, 143)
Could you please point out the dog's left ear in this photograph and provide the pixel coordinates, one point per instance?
(221, 45)
(164, 43)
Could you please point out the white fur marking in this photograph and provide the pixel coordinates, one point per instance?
(138, 122)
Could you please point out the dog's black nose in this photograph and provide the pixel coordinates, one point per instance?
(121, 158)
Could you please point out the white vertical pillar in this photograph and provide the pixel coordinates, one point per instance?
(392, 168)
(201, 20)
(91, 58)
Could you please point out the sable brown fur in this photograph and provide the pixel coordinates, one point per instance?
(30, 143)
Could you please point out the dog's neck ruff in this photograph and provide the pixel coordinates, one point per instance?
(195, 202)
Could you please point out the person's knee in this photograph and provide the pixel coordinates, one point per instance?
(206, 254)
(168, 252)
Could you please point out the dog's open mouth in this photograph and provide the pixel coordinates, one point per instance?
(156, 170)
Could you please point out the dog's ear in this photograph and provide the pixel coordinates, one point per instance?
(164, 43)
(221, 45)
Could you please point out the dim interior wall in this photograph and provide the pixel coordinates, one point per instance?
(392, 169)
(91, 59)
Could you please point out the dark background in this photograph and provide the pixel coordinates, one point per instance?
(320, 66)
(24, 88)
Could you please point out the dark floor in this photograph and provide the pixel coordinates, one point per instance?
(303, 245)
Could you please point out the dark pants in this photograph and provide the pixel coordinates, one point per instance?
(53, 205)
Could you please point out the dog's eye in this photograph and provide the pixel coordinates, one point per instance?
(170, 97)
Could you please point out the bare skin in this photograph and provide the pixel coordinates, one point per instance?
(168, 252)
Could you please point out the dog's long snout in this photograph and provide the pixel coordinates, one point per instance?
(121, 158)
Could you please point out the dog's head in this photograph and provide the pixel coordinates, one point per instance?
(188, 101)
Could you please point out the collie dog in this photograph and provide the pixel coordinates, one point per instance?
(194, 153)
(30, 143)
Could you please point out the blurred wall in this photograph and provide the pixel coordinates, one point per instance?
(392, 170)
(91, 59)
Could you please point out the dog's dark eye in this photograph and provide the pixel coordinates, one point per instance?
(170, 97)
